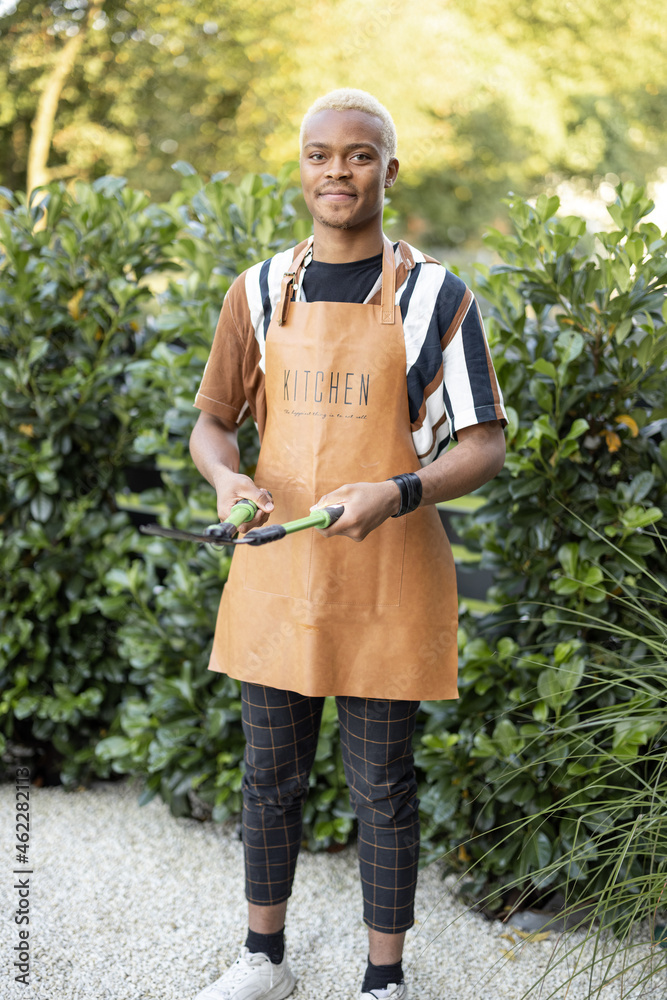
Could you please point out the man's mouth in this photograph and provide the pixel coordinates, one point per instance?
(337, 194)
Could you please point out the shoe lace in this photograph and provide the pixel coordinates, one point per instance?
(242, 967)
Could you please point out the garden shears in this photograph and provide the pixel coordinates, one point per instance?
(242, 511)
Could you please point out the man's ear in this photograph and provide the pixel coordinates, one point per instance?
(392, 172)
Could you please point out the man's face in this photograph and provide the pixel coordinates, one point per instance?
(344, 171)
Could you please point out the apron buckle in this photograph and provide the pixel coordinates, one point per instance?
(289, 279)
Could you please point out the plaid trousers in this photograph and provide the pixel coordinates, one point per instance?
(281, 730)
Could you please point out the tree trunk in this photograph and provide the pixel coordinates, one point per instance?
(45, 116)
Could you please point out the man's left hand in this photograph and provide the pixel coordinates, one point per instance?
(366, 506)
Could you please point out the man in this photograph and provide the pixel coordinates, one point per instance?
(358, 361)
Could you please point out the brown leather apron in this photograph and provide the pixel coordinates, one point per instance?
(331, 616)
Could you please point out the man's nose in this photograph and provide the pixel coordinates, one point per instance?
(338, 167)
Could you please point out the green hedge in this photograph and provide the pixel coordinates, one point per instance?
(563, 696)
(71, 324)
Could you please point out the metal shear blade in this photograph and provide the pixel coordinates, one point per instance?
(214, 536)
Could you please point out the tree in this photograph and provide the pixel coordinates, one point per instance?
(487, 97)
(47, 107)
(103, 73)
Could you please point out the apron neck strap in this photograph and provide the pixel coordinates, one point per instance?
(289, 282)
(388, 281)
(387, 306)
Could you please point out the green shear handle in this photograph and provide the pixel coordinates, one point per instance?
(322, 518)
(242, 511)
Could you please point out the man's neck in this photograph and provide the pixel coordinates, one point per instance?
(343, 246)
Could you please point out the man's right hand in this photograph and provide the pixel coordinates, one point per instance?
(232, 486)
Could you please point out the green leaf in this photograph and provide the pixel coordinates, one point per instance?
(548, 687)
(148, 795)
(568, 556)
(579, 427)
(623, 329)
(26, 706)
(571, 674)
(541, 711)
(632, 733)
(542, 427)
(547, 206)
(634, 247)
(41, 507)
(184, 168)
(537, 850)
(484, 745)
(507, 738)
(113, 747)
(123, 291)
(108, 185)
(39, 346)
(569, 345)
(637, 517)
(564, 586)
(542, 393)
(545, 367)
(641, 486)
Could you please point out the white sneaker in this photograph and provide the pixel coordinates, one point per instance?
(392, 992)
(253, 976)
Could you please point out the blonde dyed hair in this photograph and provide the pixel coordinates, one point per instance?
(348, 99)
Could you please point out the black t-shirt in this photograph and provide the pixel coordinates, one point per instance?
(341, 282)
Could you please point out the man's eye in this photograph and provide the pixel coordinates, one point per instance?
(362, 156)
(314, 156)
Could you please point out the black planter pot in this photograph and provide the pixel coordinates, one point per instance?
(471, 581)
(142, 477)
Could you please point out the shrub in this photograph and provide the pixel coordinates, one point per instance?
(71, 320)
(610, 871)
(552, 747)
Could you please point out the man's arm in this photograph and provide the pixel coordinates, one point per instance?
(215, 452)
(478, 457)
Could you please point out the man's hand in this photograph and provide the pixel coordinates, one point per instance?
(215, 452)
(366, 506)
(232, 486)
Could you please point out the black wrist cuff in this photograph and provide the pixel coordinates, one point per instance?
(410, 486)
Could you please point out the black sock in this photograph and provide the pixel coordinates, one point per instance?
(272, 945)
(378, 977)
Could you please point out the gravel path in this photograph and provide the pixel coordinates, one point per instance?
(129, 903)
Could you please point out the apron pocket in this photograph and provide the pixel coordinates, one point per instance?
(281, 567)
(368, 573)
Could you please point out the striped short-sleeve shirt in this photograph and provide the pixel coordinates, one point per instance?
(450, 379)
